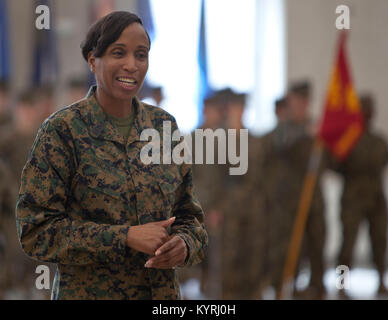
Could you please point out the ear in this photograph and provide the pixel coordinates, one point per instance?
(91, 61)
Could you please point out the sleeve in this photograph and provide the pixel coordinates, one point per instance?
(45, 229)
(189, 222)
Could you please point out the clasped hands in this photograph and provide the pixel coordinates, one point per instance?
(152, 238)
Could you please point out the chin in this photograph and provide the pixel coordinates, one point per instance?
(125, 95)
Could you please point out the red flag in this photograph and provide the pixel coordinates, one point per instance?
(343, 122)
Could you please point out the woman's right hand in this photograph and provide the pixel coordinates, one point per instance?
(148, 237)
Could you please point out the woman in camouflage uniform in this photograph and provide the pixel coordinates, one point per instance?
(115, 226)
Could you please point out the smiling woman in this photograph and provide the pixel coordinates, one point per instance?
(119, 63)
(116, 227)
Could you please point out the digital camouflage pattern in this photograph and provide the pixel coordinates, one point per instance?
(14, 148)
(209, 188)
(16, 154)
(82, 188)
(244, 224)
(363, 197)
(286, 152)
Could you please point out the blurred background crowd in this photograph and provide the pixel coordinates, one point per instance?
(264, 65)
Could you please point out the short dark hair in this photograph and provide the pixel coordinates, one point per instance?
(239, 98)
(301, 88)
(27, 97)
(280, 103)
(107, 30)
(77, 83)
(367, 105)
(157, 90)
(223, 96)
(46, 91)
(4, 85)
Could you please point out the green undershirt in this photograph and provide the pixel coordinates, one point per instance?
(124, 125)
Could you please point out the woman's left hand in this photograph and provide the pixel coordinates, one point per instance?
(170, 255)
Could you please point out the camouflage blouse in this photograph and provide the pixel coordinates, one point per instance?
(82, 188)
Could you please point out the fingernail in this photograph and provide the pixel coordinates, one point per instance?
(147, 264)
(157, 253)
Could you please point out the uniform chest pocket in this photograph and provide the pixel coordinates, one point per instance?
(169, 180)
(95, 181)
(98, 194)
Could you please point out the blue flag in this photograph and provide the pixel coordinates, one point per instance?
(45, 59)
(145, 14)
(5, 58)
(204, 88)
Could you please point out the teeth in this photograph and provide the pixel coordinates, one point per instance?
(127, 80)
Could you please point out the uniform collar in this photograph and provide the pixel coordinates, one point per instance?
(101, 127)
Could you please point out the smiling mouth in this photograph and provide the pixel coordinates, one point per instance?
(127, 81)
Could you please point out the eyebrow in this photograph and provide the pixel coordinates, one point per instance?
(118, 45)
(143, 47)
(123, 45)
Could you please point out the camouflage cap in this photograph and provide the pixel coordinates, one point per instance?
(238, 99)
(280, 103)
(367, 105)
(301, 88)
(4, 85)
(27, 97)
(218, 98)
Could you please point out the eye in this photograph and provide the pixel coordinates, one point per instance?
(142, 55)
(117, 53)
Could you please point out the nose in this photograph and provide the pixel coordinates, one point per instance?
(130, 64)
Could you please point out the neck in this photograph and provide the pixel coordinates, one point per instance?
(114, 107)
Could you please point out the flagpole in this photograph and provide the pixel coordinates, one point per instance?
(305, 201)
